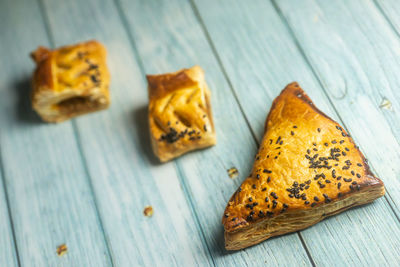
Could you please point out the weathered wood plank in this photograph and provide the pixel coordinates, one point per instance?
(391, 10)
(260, 57)
(116, 145)
(8, 253)
(50, 200)
(356, 54)
(168, 37)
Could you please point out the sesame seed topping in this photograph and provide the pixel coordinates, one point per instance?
(319, 130)
(291, 132)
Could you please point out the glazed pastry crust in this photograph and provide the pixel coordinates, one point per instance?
(180, 116)
(70, 81)
(307, 168)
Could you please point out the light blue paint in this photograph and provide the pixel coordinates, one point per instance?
(85, 183)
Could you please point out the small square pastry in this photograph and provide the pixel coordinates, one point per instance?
(70, 81)
(180, 115)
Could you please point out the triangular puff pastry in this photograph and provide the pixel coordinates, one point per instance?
(307, 168)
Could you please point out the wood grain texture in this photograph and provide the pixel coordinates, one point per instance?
(8, 253)
(168, 37)
(257, 51)
(116, 146)
(50, 200)
(391, 10)
(358, 70)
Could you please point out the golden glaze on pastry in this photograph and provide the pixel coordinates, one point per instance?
(70, 81)
(307, 168)
(179, 113)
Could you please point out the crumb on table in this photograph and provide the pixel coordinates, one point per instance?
(233, 172)
(148, 211)
(62, 249)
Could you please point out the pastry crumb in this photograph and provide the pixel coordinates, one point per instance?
(148, 211)
(386, 104)
(62, 249)
(233, 172)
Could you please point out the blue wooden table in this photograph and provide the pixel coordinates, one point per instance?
(84, 183)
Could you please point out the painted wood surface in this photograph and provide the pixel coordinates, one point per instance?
(85, 182)
(118, 155)
(50, 200)
(269, 58)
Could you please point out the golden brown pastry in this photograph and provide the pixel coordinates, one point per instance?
(70, 81)
(179, 113)
(307, 168)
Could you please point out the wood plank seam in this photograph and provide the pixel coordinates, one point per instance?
(181, 177)
(89, 178)
(302, 52)
(77, 140)
(179, 173)
(383, 13)
(209, 40)
(10, 218)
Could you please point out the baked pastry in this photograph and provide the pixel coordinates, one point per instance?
(307, 168)
(70, 81)
(179, 113)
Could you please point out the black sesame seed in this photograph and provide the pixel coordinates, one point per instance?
(334, 142)
(359, 164)
(358, 187)
(339, 194)
(343, 153)
(291, 132)
(341, 141)
(295, 126)
(268, 179)
(358, 175)
(266, 171)
(326, 144)
(278, 140)
(316, 199)
(348, 180)
(275, 157)
(307, 202)
(343, 134)
(285, 205)
(315, 149)
(308, 151)
(205, 128)
(319, 130)
(274, 203)
(313, 204)
(274, 195)
(281, 142)
(254, 186)
(354, 182)
(266, 199)
(327, 181)
(314, 144)
(339, 185)
(307, 186)
(352, 173)
(347, 149)
(258, 176)
(264, 189)
(339, 177)
(250, 199)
